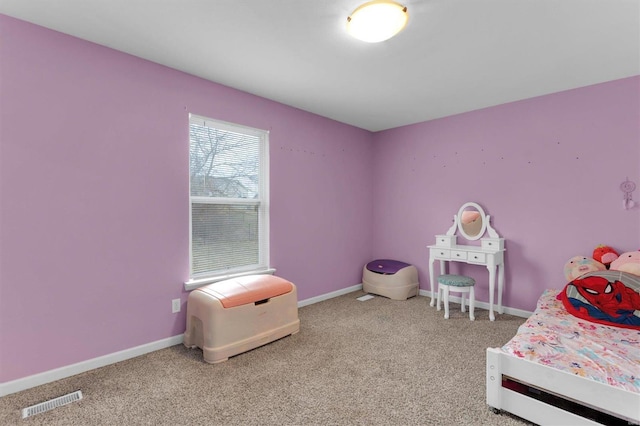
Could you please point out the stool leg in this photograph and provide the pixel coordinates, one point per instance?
(445, 290)
(462, 300)
(439, 293)
(472, 302)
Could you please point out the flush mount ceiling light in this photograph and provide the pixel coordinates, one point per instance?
(377, 21)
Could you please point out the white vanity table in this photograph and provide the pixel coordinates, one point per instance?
(472, 223)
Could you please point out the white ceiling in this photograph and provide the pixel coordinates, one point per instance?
(454, 56)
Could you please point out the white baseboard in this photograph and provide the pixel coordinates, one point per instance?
(328, 296)
(91, 364)
(485, 305)
(81, 367)
(71, 370)
(426, 293)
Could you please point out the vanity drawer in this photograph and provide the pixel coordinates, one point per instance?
(458, 255)
(477, 257)
(439, 253)
(492, 243)
(445, 240)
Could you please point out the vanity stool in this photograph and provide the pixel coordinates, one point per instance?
(459, 284)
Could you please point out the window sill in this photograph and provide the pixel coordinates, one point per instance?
(199, 282)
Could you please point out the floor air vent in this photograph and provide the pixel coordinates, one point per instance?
(51, 404)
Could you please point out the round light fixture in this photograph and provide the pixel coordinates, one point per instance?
(377, 21)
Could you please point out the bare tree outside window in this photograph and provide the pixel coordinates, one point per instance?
(222, 163)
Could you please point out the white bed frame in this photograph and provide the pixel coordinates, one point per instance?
(599, 396)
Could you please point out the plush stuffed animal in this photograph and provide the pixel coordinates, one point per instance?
(627, 262)
(604, 299)
(580, 265)
(605, 255)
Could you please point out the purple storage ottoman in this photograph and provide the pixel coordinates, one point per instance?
(390, 278)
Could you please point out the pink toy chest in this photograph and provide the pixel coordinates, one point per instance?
(233, 316)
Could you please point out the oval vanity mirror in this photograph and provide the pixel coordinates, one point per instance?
(472, 222)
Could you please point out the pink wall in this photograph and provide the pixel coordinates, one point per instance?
(546, 169)
(94, 193)
(94, 202)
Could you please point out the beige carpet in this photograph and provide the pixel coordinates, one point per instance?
(378, 362)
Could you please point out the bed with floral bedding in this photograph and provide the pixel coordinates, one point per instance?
(562, 367)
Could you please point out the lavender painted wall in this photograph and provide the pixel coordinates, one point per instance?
(546, 169)
(94, 197)
(94, 203)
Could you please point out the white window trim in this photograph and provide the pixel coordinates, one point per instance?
(263, 219)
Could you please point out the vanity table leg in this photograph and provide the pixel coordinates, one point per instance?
(500, 287)
(492, 286)
(443, 267)
(433, 299)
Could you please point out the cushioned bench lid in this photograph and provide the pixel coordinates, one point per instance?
(386, 266)
(456, 280)
(247, 289)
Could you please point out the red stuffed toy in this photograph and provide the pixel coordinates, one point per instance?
(605, 255)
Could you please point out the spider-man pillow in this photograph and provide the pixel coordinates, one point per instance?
(606, 297)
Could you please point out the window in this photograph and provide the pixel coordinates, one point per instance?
(229, 198)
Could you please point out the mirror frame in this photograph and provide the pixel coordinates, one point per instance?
(482, 215)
